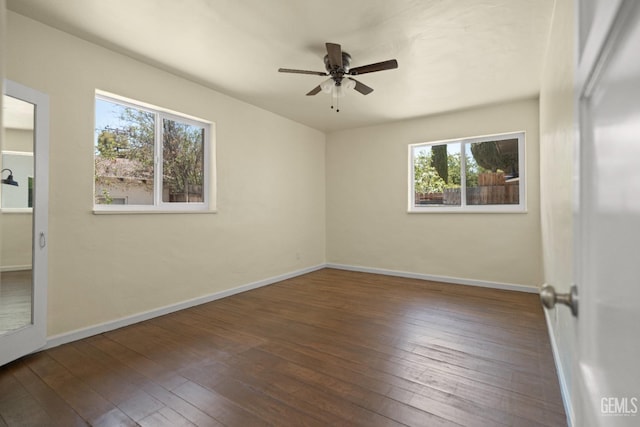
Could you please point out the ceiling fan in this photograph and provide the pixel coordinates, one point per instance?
(338, 66)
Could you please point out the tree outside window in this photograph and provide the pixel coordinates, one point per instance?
(141, 163)
(487, 174)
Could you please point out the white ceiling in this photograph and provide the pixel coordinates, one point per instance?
(452, 54)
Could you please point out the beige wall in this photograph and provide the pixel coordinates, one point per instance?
(367, 220)
(556, 160)
(16, 243)
(16, 228)
(271, 186)
(18, 140)
(16, 246)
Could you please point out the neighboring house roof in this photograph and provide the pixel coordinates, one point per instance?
(121, 169)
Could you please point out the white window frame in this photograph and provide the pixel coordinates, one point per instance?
(159, 206)
(521, 207)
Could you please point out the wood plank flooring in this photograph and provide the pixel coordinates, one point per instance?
(330, 348)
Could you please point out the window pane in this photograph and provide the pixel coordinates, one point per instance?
(182, 162)
(124, 140)
(492, 173)
(437, 174)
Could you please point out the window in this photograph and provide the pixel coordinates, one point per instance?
(150, 159)
(484, 174)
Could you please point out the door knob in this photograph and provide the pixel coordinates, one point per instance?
(549, 298)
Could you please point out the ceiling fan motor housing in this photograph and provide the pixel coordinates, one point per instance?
(346, 64)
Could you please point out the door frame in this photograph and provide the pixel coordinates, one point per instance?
(15, 344)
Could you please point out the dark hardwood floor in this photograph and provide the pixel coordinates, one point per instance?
(330, 348)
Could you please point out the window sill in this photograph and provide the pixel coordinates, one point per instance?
(150, 211)
(467, 210)
(16, 210)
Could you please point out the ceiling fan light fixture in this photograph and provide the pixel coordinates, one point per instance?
(344, 86)
(327, 85)
(337, 90)
(348, 84)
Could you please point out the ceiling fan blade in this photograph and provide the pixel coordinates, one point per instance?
(289, 70)
(314, 91)
(378, 66)
(361, 87)
(334, 51)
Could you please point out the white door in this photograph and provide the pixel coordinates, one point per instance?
(607, 253)
(23, 278)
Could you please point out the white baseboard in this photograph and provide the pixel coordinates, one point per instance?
(434, 278)
(79, 334)
(562, 379)
(8, 268)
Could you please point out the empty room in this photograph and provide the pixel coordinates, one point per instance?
(296, 213)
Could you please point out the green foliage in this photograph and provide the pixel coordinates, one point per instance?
(439, 161)
(107, 197)
(472, 170)
(134, 139)
(453, 164)
(112, 144)
(139, 130)
(455, 171)
(488, 156)
(427, 179)
(183, 156)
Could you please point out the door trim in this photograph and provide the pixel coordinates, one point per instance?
(25, 340)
